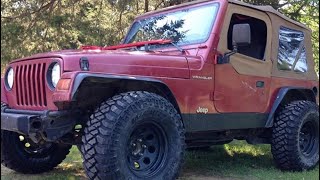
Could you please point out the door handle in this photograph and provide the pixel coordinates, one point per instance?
(260, 84)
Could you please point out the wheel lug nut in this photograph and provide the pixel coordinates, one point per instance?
(140, 154)
(144, 146)
(139, 140)
(133, 144)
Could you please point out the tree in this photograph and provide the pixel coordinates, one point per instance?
(33, 26)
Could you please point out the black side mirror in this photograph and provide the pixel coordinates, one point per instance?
(241, 36)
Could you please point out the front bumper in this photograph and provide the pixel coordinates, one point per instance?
(38, 125)
(19, 123)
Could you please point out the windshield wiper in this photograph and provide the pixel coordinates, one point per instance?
(178, 47)
(167, 41)
(137, 44)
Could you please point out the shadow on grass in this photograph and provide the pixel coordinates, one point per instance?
(69, 169)
(62, 172)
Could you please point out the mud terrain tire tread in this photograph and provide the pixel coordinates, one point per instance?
(285, 136)
(103, 131)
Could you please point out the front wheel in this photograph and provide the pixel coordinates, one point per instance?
(135, 135)
(295, 138)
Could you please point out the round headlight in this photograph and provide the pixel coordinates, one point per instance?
(10, 78)
(55, 74)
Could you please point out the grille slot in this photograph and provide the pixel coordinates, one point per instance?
(30, 85)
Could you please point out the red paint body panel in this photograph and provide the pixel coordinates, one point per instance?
(132, 63)
(238, 93)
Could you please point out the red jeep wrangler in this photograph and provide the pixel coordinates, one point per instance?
(193, 75)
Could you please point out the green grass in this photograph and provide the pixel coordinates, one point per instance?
(237, 160)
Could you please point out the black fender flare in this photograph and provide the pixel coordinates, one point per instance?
(280, 96)
(108, 78)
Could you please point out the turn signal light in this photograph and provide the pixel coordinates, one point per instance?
(63, 84)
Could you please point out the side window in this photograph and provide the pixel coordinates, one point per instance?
(291, 53)
(258, 28)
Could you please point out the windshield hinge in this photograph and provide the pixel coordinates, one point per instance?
(203, 47)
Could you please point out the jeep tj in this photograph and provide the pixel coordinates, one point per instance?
(192, 75)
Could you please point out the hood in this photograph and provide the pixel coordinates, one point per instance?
(121, 62)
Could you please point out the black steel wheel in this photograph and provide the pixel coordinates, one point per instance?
(134, 135)
(147, 149)
(309, 138)
(295, 136)
(33, 149)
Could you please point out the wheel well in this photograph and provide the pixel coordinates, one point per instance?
(286, 96)
(93, 91)
(298, 94)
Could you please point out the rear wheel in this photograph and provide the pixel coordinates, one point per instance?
(135, 135)
(295, 138)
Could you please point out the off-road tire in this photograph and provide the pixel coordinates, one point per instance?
(287, 136)
(15, 157)
(110, 127)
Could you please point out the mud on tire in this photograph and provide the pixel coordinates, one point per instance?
(134, 135)
(295, 138)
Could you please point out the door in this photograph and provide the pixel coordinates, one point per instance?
(242, 84)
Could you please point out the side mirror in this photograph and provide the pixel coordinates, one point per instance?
(241, 35)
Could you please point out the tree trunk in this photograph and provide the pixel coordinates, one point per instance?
(146, 5)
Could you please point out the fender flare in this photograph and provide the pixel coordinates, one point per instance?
(108, 78)
(280, 96)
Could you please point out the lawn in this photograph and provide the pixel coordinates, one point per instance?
(237, 160)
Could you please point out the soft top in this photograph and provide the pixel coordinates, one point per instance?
(268, 9)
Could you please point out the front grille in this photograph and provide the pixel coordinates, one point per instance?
(30, 84)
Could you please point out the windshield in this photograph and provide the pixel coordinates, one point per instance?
(184, 27)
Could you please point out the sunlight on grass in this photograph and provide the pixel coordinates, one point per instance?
(66, 166)
(244, 149)
(238, 160)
